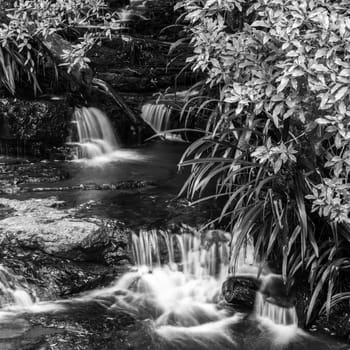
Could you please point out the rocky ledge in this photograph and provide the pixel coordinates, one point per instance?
(57, 252)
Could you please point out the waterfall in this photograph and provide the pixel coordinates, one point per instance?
(12, 292)
(278, 314)
(183, 251)
(95, 136)
(189, 260)
(157, 116)
(176, 284)
(145, 248)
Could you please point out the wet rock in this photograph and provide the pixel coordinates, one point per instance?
(91, 327)
(47, 277)
(122, 185)
(60, 238)
(36, 128)
(210, 237)
(38, 224)
(15, 175)
(10, 328)
(27, 176)
(88, 327)
(239, 292)
(108, 244)
(5, 211)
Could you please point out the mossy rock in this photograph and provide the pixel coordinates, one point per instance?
(37, 126)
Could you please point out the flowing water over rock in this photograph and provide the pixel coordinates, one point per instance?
(183, 251)
(12, 292)
(95, 133)
(277, 314)
(178, 301)
(96, 142)
(182, 298)
(158, 117)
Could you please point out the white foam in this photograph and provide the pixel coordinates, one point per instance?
(281, 334)
(211, 335)
(120, 155)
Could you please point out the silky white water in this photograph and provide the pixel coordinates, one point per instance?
(157, 116)
(95, 135)
(185, 292)
(279, 315)
(12, 292)
(192, 258)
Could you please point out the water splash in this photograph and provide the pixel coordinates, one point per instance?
(12, 292)
(95, 135)
(210, 335)
(175, 281)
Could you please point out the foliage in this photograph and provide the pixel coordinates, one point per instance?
(23, 49)
(276, 139)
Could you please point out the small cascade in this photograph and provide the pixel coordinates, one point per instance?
(277, 314)
(183, 251)
(157, 116)
(175, 289)
(12, 292)
(95, 135)
(145, 248)
(176, 286)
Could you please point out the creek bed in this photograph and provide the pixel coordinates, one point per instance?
(85, 191)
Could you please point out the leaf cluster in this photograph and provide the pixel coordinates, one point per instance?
(31, 23)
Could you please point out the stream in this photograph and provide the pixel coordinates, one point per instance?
(168, 296)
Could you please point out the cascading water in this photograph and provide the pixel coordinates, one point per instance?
(182, 290)
(200, 267)
(193, 259)
(278, 314)
(157, 116)
(182, 294)
(12, 293)
(95, 136)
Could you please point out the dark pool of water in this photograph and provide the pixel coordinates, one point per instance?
(154, 204)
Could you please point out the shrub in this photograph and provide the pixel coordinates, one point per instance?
(24, 52)
(276, 142)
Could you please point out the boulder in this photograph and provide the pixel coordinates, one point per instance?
(37, 128)
(240, 292)
(38, 224)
